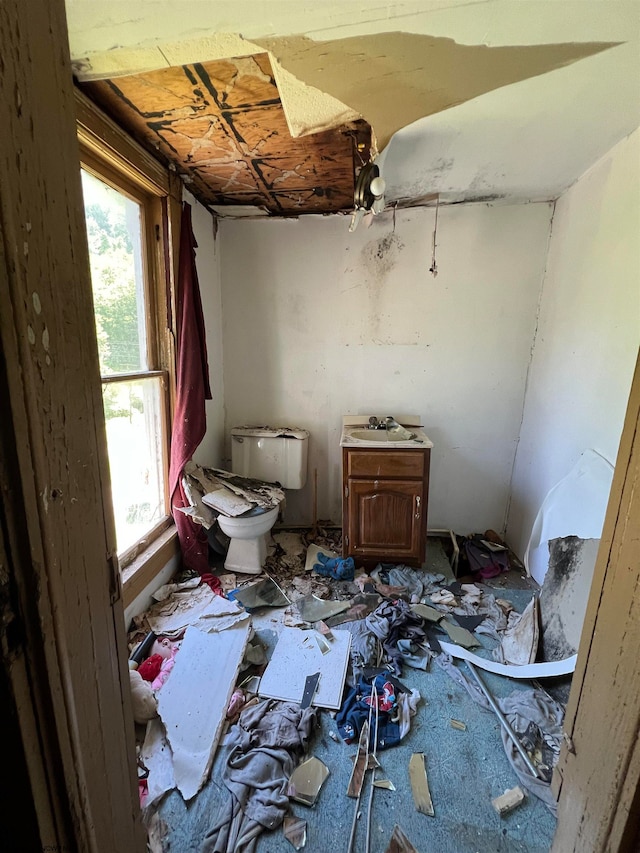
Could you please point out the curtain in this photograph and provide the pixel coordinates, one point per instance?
(192, 389)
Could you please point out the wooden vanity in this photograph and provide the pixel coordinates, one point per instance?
(385, 493)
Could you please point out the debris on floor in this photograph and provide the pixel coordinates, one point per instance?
(393, 620)
(420, 785)
(307, 780)
(508, 801)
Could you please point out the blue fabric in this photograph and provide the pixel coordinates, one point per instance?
(355, 711)
(336, 568)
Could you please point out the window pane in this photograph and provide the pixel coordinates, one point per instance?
(133, 415)
(115, 252)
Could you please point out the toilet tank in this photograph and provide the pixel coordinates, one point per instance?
(274, 454)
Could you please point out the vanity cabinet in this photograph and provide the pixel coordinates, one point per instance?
(384, 505)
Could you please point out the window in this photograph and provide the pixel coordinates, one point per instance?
(126, 235)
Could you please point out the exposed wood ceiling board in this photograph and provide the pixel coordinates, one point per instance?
(222, 125)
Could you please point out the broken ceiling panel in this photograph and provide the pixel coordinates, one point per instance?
(393, 79)
(222, 125)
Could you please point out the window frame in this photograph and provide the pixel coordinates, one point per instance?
(109, 154)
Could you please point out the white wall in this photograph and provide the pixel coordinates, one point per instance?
(588, 333)
(211, 449)
(319, 323)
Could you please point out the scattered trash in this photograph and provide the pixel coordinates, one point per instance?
(387, 784)
(313, 609)
(334, 736)
(420, 785)
(443, 596)
(533, 670)
(399, 843)
(457, 724)
(296, 656)
(429, 613)
(335, 567)
(262, 593)
(295, 831)
(310, 687)
(519, 644)
(460, 636)
(306, 781)
(508, 801)
(313, 556)
(361, 763)
(205, 671)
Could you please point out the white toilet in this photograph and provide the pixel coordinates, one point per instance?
(275, 455)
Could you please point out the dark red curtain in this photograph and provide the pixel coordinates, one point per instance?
(192, 389)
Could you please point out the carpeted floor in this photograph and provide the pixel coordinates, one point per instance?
(466, 770)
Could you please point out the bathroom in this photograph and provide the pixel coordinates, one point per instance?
(517, 356)
(307, 323)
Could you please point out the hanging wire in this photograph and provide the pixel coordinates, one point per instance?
(433, 269)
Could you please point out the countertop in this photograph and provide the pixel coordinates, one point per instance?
(379, 438)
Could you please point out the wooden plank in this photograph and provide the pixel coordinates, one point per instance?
(598, 773)
(420, 785)
(63, 537)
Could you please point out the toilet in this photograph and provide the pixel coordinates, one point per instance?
(272, 454)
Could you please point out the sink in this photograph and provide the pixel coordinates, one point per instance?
(374, 435)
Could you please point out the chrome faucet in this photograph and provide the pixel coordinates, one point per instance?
(374, 423)
(390, 423)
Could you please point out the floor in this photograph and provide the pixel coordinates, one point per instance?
(466, 770)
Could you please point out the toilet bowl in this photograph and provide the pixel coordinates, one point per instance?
(248, 534)
(273, 455)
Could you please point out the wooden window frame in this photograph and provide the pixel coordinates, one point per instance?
(110, 155)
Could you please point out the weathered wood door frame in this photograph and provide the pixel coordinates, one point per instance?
(598, 774)
(62, 640)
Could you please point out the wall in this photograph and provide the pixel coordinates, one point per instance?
(211, 449)
(319, 323)
(588, 333)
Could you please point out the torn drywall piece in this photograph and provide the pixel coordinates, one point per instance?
(194, 701)
(519, 643)
(307, 780)
(386, 784)
(157, 758)
(420, 785)
(508, 801)
(295, 831)
(182, 608)
(312, 556)
(296, 656)
(532, 670)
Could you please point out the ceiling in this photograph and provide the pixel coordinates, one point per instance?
(266, 107)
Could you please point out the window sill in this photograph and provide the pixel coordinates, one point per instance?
(148, 563)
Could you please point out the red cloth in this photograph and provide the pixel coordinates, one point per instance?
(213, 582)
(192, 389)
(150, 667)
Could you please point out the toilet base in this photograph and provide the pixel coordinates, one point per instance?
(246, 556)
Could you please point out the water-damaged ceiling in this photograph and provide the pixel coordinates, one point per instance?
(268, 106)
(222, 125)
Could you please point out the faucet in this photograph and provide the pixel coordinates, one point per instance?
(374, 423)
(390, 423)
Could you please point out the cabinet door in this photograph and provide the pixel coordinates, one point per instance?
(386, 519)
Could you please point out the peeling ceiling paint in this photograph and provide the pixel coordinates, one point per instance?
(393, 79)
(509, 99)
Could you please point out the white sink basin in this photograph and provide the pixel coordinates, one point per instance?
(374, 435)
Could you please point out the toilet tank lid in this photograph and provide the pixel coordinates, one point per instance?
(270, 432)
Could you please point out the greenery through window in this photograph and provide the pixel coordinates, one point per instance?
(133, 386)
